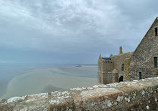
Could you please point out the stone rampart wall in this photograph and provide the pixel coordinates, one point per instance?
(125, 96)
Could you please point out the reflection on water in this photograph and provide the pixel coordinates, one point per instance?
(32, 80)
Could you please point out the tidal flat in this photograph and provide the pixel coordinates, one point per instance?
(33, 80)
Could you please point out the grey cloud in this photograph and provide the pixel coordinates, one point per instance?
(63, 30)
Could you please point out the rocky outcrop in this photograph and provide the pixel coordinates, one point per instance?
(124, 96)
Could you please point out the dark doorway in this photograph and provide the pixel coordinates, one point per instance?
(121, 79)
(140, 75)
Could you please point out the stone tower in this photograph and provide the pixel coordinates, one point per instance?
(105, 67)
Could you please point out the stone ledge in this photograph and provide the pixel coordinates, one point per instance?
(126, 96)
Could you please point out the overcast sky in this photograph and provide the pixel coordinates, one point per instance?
(71, 31)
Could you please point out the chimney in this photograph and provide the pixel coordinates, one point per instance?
(121, 50)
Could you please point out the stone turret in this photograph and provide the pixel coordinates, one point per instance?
(105, 67)
(100, 56)
(121, 50)
(99, 69)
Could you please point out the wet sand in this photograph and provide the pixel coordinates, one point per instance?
(50, 78)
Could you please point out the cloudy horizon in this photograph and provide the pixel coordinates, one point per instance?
(71, 31)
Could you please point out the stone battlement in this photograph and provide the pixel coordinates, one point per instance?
(125, 96)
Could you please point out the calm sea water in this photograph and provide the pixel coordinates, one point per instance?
(24, 80)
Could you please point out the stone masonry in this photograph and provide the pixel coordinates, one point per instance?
(141, 63)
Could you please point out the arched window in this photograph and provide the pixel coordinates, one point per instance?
(155, 62)
(122, 68)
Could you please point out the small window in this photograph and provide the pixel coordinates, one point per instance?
(155, 62)
(122, 68)
(156, 31)
(140, 75)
